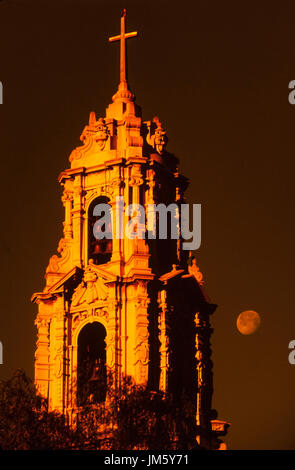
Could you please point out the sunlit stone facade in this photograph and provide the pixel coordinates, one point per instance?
(146, 294)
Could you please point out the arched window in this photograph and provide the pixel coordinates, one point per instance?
(92, 379)
(100, 225)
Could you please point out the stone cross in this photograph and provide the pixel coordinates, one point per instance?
(121, 37)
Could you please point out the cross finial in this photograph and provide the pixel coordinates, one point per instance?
(122, 37)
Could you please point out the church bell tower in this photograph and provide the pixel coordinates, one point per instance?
(117, 305)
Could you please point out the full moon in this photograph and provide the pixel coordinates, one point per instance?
(248, 322)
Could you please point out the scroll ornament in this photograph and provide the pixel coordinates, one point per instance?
(157, 136)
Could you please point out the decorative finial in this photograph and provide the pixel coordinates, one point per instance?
(122, 38)
(92, 118)
(195, 270)
(157, 136)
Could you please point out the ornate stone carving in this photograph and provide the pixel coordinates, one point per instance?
(56, 262)
(194, 269)
(92, 288)
(111, 349)
(78, 191)
(78, 317)
(67, 196)
(53, 265)
(100, 312)
(41, 322)
(91, 314)
(141, 350)
(157, 136)
(204, 369)
(58, 363)
(107, 190)
(102, 133)
(95, 133)
(90, 194)
(136, 178)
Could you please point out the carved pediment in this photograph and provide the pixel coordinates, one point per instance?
(102, 273)
(91, 289)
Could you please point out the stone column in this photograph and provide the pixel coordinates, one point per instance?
(112, 353)
(58, 363)
(141, 350)
(77, 221)
(117, 189)
(135, 181)
(42, 356)
(205, 378)
(149, 199)
(67, 199)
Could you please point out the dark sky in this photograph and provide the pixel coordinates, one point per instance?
(217, 74)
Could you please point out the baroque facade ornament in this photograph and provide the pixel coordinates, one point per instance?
(58, 263)
(91, 289)
(136, 178)
(102, 133)
(157, 136)
(195, 271)
(96, 132)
